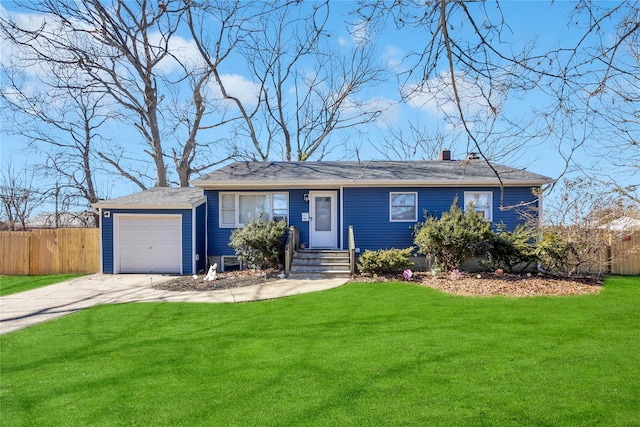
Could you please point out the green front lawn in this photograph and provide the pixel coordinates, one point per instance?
(363, 354)
(14, 284)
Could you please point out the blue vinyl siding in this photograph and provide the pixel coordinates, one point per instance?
(187, 241)
(367, 210)
(107, 244)
(521, 200)
(218, 238)
(297, 206)
(108, 235)
(201, 231)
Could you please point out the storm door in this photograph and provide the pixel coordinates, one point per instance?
(323, 219)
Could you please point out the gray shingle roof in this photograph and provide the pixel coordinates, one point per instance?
(372, 173)
(159, 198)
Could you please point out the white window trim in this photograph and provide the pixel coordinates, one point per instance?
(415, 209)
(236, 208)
(487, 210)
(221, 210)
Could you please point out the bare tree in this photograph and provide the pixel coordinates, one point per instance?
(304, 91)
(63, 122)
(18, 196)
(121, 50)
(420, 144)
(469, 58)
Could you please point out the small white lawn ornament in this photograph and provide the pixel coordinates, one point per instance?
(211, 275)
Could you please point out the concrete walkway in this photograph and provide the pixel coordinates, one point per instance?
(28, 308)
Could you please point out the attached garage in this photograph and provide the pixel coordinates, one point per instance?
(159, 231)
(148, 244)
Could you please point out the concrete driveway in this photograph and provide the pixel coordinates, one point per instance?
(28, 308)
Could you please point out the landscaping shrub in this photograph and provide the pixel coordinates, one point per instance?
(259, 243)
(385, 261)
(553, 251)
(453, 238)
(509, 249)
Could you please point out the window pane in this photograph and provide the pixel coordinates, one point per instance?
(402, 213)
(252, 206)
(229, 217)
(403, 200)
(279, 202)
(482, 199)
(481, 203)
(479, 199)
(323, 213)
(228, 201)
(403, 206)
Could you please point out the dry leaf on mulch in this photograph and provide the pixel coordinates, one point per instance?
(225, 280)
(491, 284)
(467, 284)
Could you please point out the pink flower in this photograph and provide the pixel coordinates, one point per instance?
(407, 274)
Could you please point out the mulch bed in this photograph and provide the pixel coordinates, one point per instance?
(225, 280)
(467, 284)
(492, 284)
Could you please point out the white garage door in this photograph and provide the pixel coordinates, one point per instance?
(149, 244)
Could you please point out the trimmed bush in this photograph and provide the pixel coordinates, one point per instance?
(259, 243)
(385, 261)
(453, 238)
(509, 249)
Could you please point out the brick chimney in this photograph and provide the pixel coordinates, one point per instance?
(445, 155)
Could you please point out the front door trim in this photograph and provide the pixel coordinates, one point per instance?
(323, 239)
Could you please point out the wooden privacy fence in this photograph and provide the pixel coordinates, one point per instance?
(63, 250)
(617, 253)
(625, 254)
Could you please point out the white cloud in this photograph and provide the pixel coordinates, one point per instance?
(240, 87)
(359, 35)
(182, 51)
(392, 56)
(390, 116)
(436, 97)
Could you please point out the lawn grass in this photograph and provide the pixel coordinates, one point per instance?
(14, 284)
(363, 354)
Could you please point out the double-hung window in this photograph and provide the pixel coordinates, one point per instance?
(482, 203)
(239, 209)
(403, 207)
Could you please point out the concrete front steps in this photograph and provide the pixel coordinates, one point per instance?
(320, 264)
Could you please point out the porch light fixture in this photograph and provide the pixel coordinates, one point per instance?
(306, 197)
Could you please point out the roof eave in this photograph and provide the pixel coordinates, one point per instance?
(214, 185)
(107, 205)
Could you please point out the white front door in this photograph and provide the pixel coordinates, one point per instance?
(323, 221)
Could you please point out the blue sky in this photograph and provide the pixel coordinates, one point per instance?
(527, 20)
